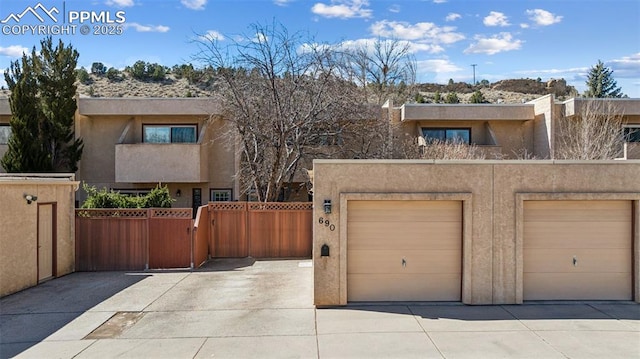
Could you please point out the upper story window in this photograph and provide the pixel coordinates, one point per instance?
(459, 135)
(169, 133)
(5, 133)
(632, 133)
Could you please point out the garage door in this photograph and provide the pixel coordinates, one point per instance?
(577, 250)
(404, 250)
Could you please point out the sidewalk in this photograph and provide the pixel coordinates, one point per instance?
(263, 309)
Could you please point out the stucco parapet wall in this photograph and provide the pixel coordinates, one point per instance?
(479, 162)
(149, 106)
(39, 179)
(513, 112)
(5, 109)
(627, 106)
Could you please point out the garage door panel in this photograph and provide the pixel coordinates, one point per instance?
(443, 235)
(597, 233)
(390, 261)
(412, 287)
(586, 235)
(427, 234)
(577, 286)
(587, 261)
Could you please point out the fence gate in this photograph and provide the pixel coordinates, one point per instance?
(170, 238)
(261, 230)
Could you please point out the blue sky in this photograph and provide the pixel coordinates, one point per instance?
(506, 39)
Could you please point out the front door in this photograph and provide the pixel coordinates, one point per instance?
(46, 240)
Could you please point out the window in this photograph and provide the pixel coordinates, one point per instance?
(461, 135)
(632, 134)
(132, 192)
(5, 133)
(169, 134)
(220, 195)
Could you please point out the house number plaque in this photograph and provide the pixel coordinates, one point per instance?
(327, 223)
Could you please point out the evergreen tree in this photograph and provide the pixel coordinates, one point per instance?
(600, 82)
(42, 111)
(477, 97)
(452, 97)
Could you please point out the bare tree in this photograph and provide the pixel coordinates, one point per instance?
(595, 133)
(387, 67)
(283, 96)
(442, 150)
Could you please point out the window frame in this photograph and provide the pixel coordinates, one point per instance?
(10, 131)
(170, 126)
(632, 128)
(212, 194)
(445, 129)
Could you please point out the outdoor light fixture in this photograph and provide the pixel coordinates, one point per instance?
(178, 193)
(324, 251)
(327, 206)
(30, 198)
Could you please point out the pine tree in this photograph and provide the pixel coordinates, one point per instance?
(600, 82)
(42, 111)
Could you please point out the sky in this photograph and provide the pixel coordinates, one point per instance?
(505, 39)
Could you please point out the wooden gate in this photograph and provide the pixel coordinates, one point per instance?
(261, 230)
(132, 239)
(170, 238)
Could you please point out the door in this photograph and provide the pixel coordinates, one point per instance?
(46, 240)
(196, 197)
(577, 250)
(404, 251)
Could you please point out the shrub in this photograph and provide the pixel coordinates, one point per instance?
(145, 71)
(98, 68)
(83, 76)
(114, 74)
(138, 70)
(477, 97)
(159, 197)
(452, 97)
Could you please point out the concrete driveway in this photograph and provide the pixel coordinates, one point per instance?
(248, 309)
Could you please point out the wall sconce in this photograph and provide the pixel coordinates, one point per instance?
(178, 193)
(30, 198)
(327, 206)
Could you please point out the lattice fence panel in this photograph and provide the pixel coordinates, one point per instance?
(171, 213)
(280, 206)
(107, 213)
(227, 206)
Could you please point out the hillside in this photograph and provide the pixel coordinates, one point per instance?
(505, 91)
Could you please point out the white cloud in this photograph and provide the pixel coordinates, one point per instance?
(543, 17)
(120, 3)
(438, 65)
(524, 26)
(423, 31)
(13, 51)
(439, 1)
(413, 45)
(452, 16)
(194, 4)
(395, 8)
(344, 9)
(496, 19)
(282, 2)
(212, 35)
(493, 45)
(626, 67)
(147, 28)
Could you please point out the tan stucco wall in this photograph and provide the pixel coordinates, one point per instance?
(19, 228)
(491, 262)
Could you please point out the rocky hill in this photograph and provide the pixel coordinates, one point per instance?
(505, 91)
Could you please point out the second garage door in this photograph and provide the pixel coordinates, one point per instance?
(404, 250)
(577, 250)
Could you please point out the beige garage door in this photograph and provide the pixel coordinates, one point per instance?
(404, 250)
(577, 250)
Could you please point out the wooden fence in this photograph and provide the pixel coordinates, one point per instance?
(133, 239)
(261, 230)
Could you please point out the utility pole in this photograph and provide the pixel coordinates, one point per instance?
(474, 73)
